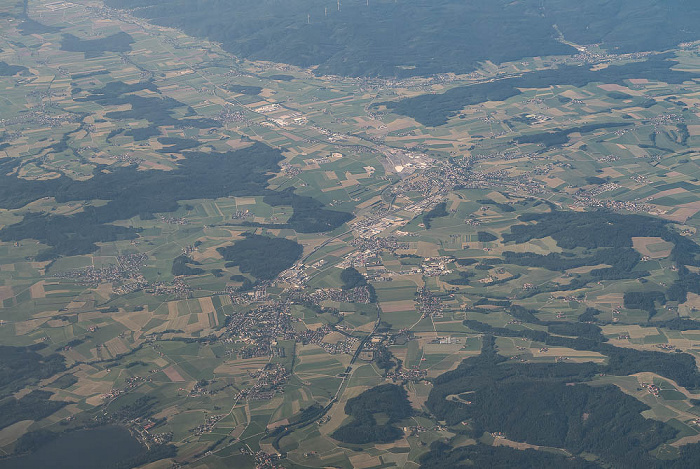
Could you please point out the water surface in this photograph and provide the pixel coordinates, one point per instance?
(94, 448)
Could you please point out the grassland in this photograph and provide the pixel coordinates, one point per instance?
(168, 339)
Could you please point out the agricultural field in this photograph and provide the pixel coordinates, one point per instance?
(228, 256)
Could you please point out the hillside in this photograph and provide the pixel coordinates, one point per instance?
(421, 37)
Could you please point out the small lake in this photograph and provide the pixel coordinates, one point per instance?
(93, 448)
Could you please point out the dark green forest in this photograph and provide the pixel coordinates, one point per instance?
(485, 237)
(555, 408)
(560, 137)
(606, 237)
(436, 212)
(31, 441)
(309, 215)
(421, 37)
(131, 192)
(181, 266)
(588, 230)
(23, 366)
(351, 278)
(442, 455)
(157, 110)
(119, 42)
(387, 400)
(680, 367)
(261, 256)
(435, 109)
(502, 207)
(176, 144)
(645, 300)
(34, 406)
(623, 262)
(30, 26)
(7, 70)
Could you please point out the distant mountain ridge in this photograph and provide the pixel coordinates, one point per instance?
(421, 37)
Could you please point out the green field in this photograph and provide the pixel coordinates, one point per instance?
(569, 233)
